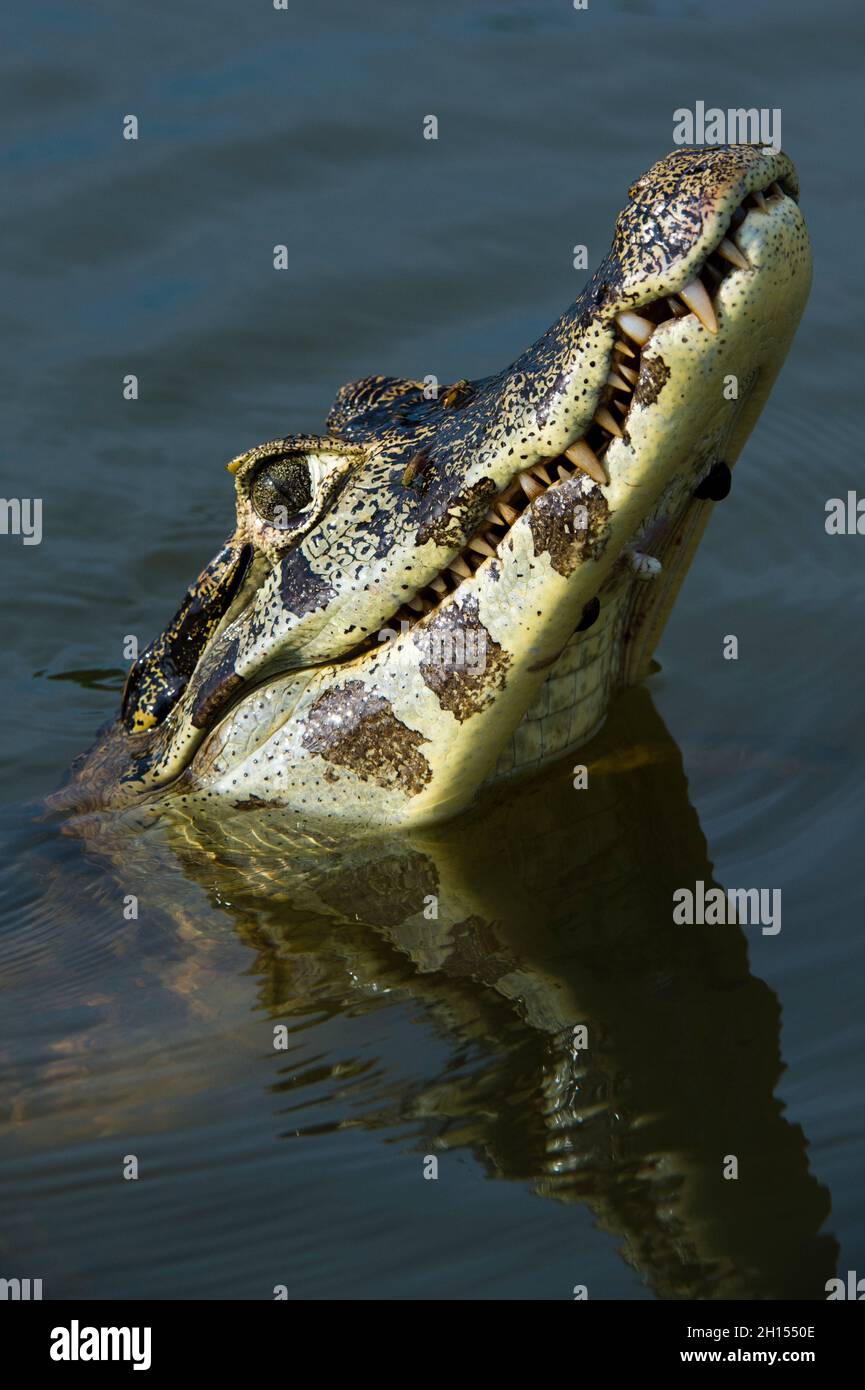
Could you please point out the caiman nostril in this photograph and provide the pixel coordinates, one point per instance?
(716, 484)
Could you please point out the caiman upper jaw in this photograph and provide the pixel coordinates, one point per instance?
(587, 454)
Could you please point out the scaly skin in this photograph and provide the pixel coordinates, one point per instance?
(273, 684)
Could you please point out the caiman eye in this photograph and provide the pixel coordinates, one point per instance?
(282, 489)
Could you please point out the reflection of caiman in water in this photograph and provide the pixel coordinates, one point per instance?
(554, 911)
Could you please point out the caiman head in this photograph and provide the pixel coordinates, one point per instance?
(452, 584)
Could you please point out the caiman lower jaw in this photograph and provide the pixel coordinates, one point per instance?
(586, 455)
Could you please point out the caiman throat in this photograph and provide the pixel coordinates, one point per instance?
(452, 585)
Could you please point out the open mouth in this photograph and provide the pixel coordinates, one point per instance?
(587, 454)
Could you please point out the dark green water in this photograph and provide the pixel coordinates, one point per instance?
(304, 1167)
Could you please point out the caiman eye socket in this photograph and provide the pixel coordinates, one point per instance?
(282, 489)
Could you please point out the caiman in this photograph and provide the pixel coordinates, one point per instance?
(452, 585)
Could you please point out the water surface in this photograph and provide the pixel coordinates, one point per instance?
(454, 1039)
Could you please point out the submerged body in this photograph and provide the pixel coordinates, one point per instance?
(446, 590)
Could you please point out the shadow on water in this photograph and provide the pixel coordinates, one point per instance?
(554, 914)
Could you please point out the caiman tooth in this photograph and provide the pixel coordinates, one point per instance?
(513, 497)
(439, 585)
(459, 567)
(678, 309)
(621, 346)
(730, 252)
(638, 328)
(538, 470)
(480, 545)
(530, 486)
(613, 379)
(776, 190)
(563, 473)
(416, 603)
(608, 422)
(696, 296)
(501, 514)
(628, 373)
(581, 456)
(760, 201)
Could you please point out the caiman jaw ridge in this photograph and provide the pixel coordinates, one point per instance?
(586, 454)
